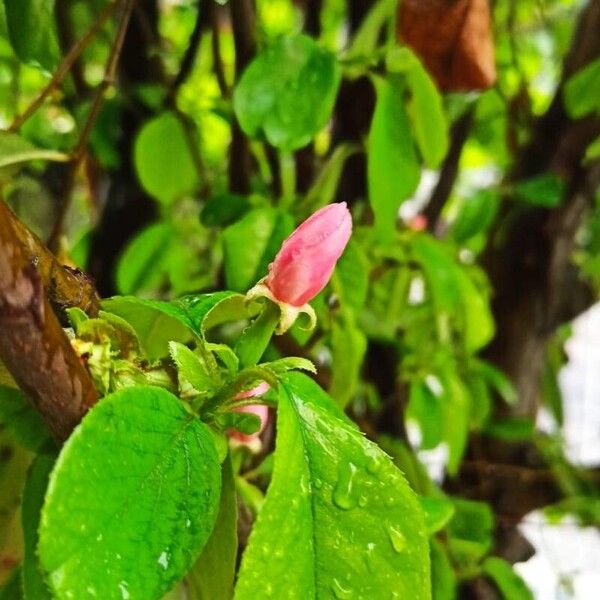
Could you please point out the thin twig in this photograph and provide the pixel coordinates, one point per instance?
(189, 58)
(449, 171)
(218, 67)
(107, 81)
(65, 66)
(79, 151)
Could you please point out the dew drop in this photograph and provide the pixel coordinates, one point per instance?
(363, 501)
(123, 589)
(318, 484)
(339, 591)
(374, 464)
(342, 493)
(391, 501)
(397, 539)
(163, 560)
(370, 558)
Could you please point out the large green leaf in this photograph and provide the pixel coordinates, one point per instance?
(132, 499)
(163, 159)
(34, 586)
(32, 31)
(393, 170)
(158, 322)
(287, 92)
(211, 578)
(251, 244)
(352, 527)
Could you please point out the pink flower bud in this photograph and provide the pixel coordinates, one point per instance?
(307, 258)
(260, 410)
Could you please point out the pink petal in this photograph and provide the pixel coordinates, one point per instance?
(308, 256)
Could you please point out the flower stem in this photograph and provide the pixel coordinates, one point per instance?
(256, 337)
(287, 164)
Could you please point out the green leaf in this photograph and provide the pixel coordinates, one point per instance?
(443, 578)
(159, 322)
(163, 159)
(224, 209)
(393, 171)
(366, 38)
(132, 499)
(32, 31)
(15, 150)
(287, 92)
(139, 267)
(426, 107)
(438, 512)
(546, 190)
(593, 150)
(511, 429)
(348, 348)
(470, 531)
(352, 527)
(456, 403)
(290, 363)
(351, 276)
(21, 420)
(322, 191)
(34, 586)
(475, 216)
(251, 244)
(211, 577)
(582, 91)
(510, 584)
(425, 409)
(192, 371)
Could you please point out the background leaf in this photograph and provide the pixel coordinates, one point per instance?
(32, 31)
(393, 171)
(287, 92)
(163, 159)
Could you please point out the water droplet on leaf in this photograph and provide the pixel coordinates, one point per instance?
(397, 539)
(343, 492)
(340, 592)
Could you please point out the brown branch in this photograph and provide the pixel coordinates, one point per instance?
(65, 287)
(33, 345)
(443, 189)
(218, 67)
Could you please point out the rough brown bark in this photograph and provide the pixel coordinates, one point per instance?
(33, 345)
(64, 286)
(528, 259)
